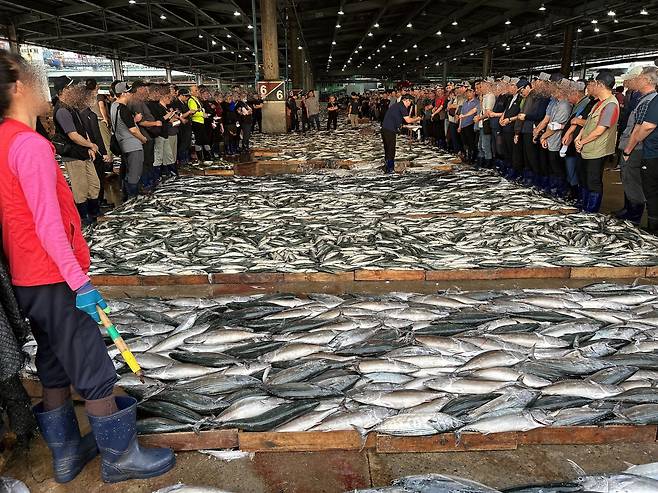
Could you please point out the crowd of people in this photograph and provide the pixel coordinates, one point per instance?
(549, 132)
(154, 128)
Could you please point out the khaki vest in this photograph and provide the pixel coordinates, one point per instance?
(605, 144)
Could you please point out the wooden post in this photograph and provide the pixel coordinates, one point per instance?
(12, 37)
(567, 50)
(486, 62)
(268, 27)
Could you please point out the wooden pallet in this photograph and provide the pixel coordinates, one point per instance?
(310, 441)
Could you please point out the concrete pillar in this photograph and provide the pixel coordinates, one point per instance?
(117, 69)
(255, 30)
(274, 111)
(296, 58)
(199, 79)
(268, 19)
(168, 75)
(567, 50)
(12, 37)
(487, 57)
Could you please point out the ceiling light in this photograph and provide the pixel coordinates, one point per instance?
(299, 48)
(200, 36)
(132, 2)
(383, 47)
(360, 47)
(616, 21)
(415, 46)
(223, 48)
(437, 64)
(523, 47)
(369, 58)
(504, 45)
(377, 50)
(612, 13)
(454, 23)
(644, 12)
(214, 42)
(333, 43)
(250, 26)
(390, 40)
(406, 51)
(538, 35)
(410, 25)
(527, 43)
(507, 49)
(247, 48)
(594, 21)
(542, 8)
(338, 26)
(370, 35)
(471, 54)
(439, 33)
(236, 13)
(340, 12)
(508, 22)
(376, 25)
(392, 56)
(463, 40)
(163, 17)
(448, 46)
(596, 29)
(580, 30)
(454, 59)
(228, 36)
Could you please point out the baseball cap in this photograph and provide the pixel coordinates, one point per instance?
(183, 91)
(522, 83)
(122, 87)
(59, 83)
(407, 96)
(606, 78)
(631, 73)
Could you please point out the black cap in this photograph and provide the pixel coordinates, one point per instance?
(59, 83)
(522, 83)
(606, 78)
(407, 96)
(183, 91)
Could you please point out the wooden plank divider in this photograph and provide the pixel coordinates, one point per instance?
(492, 274)
(389, 275)
(305, 441)
(188, 440)
(446, 442)
(247, 277)
(607, 272)
(591, 435)
(318, 276)
(174, 280)
(112, 280)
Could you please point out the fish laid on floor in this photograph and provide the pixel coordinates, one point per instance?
(395, 363)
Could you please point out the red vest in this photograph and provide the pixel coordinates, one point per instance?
(29, 264)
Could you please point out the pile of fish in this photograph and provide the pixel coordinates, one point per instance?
(347, 144)
(401, 364)
(636, 479)
(205, 225)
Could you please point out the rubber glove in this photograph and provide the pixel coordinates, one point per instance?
(87, 299)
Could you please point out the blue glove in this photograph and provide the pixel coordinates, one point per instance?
(87, 299)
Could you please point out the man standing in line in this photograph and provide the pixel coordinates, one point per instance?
(313, 107)
(332, 113)
(353, 110)
(257, 104)
(396, 116)
(151, 129)
(198, 117)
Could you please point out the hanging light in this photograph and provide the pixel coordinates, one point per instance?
(644, 12)
(596, 29)
(406, 51)
(612, 13)
(504, 45)
(448, 47)
(370, 35)
(454, 23)
(542, 8)
(340, 12)
(410, 25)
(300, 48)
(250, 26)
(508, 22)
(223, 48)
(236, 13)
(594, 21)
(200, 36)
(228, 36)
(527, 43)
(132, 2)
(415, 46)
(439, 33)
(376, 26)
(463, 40)
(579, 30)
(333, 43)
(213, 42)
(337, 26)
(538, 35)
(163, 17)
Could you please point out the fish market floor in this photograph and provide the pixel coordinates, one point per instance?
(342, 471)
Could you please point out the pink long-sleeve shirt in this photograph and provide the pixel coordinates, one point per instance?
(31, 159)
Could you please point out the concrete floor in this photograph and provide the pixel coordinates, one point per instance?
(342, 471)
(337, 471)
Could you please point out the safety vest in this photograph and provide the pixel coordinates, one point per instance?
(605, 144)
(29, 263)
(195, 105)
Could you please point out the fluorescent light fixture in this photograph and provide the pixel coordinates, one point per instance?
(542, 8)
(454, 23)
(612, 13)
(644, 12)
(237, 14)
(439, 33)
(340, 12)
(410, 25)
(250, 26)
(508, 22)
(163, 17)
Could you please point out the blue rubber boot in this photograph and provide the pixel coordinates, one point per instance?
(60, 430)
(121, 456)
(584, 198)
(594, 202)
(528, 178)
(389, 167)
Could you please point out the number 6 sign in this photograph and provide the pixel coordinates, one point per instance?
(271, 90)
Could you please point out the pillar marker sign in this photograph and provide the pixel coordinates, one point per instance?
(271, 91)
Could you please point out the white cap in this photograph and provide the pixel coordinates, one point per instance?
(506, 79)
(631, 73)
(544, 76)
(514, 80)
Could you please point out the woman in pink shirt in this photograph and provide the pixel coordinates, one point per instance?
(48, 262)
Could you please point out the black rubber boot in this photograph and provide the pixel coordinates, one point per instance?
(94, 208)
(83, 210)
(60, 430)
(121, 456)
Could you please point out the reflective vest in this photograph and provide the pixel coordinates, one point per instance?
(195, 105)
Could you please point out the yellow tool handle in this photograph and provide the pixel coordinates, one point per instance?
(121, 345)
